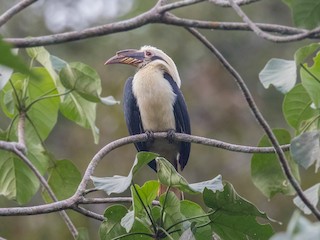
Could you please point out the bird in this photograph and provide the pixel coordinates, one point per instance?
(153, 102)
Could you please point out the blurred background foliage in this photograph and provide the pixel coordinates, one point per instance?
(217, 107)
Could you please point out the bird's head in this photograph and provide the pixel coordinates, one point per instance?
(147, 56)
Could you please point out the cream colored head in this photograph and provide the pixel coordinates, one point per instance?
(147, 56)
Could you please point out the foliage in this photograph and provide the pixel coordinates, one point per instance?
(34, 95)
(41, 93)
(229, 215)
(301, 110)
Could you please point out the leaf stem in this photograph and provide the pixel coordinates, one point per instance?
(145, 209)
(46, 97)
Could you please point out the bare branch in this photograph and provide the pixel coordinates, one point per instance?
(109, 200)
(89, 213)
(78, 198)
(176, 5)
(263, 123)
(155, 15)
(45, 184)
(267, 36)
(5, 17)
(225, 3)
(11, 146)
(21, 129)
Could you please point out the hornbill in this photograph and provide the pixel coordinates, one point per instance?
(153, 102)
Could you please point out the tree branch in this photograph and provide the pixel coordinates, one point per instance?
(225, 3)
(267, 36)
(263, 123)
(157, 15)
(78, 198)
(89, 213)
(6, 16)
(45, 184)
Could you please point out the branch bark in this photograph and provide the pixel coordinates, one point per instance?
(5, 17)
(259, 117)
(78, 197)
(159, 14)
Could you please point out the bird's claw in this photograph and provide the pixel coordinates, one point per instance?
(171, 135)
(150, 136)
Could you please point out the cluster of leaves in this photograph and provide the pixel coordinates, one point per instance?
(39, 92)
(229, 215)
(301, 110)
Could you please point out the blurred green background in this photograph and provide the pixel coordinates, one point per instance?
(216, 106)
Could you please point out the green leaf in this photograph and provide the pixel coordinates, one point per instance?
(118, 184)
(57, 63)
(171, 206)
(44, 58)
(310, 78)
(190, 210)
(128, 220)
(83, 234)
(5, 74)
(305, 13)
(266, 172)
(83, 79)
(80, 111)
(305, 149)
(280, 73)
(44, 112)
(297, 107)
(187, 235)
(301, 55)
(168, 176)
(63, 173)
(8, 99)
(299, 228)
(312, 194)
(17, 181)
(144, 196)
(233, 217)
(9, 59)
(111, 227)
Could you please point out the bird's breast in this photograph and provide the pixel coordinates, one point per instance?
(155, 99)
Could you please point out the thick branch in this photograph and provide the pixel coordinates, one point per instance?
(78, 198)
(157, 15)
(263, 123)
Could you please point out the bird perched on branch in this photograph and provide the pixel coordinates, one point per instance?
(153, 102)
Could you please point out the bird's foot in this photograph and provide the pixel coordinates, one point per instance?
(171, 135)
(150, 136)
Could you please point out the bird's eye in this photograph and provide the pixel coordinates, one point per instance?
(148, 53)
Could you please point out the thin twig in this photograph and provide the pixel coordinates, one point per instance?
(225, 3)
(109, 200)
(89, 213)
(268, 36)
(6, 16)
(175, 5)
(263, 123)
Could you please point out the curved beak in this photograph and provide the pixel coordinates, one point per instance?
(129, 56)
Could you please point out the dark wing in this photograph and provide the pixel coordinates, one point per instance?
(132, 114)
(182, 120)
